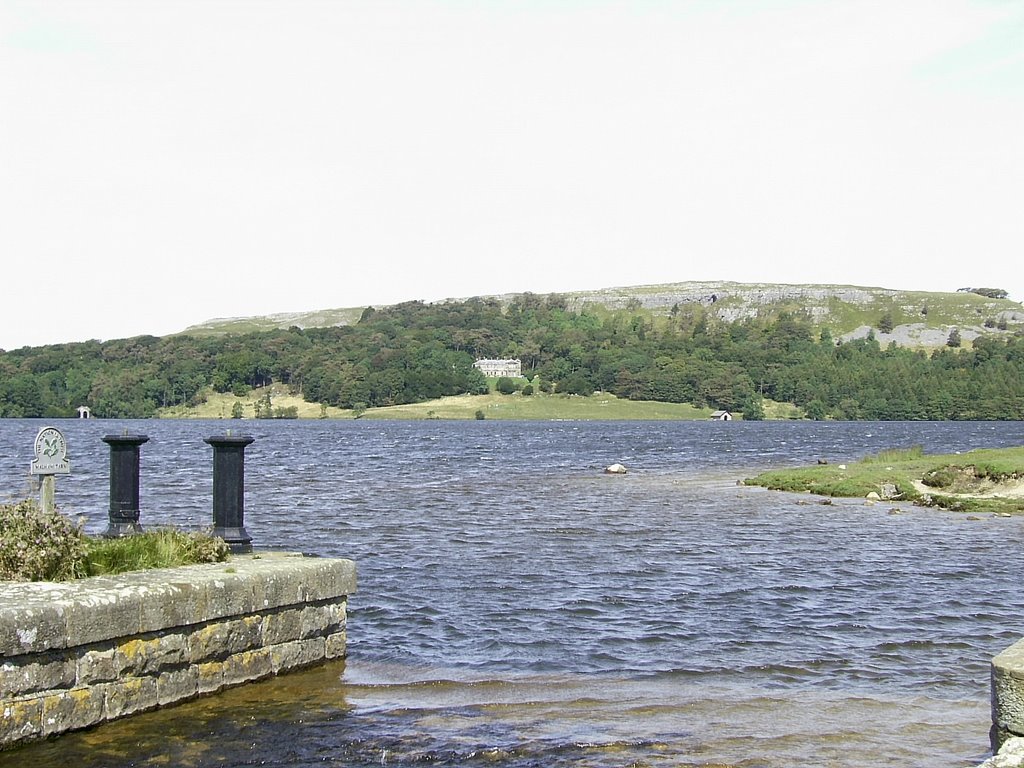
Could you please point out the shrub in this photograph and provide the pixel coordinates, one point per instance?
(944, 477)
(505, 386)
(39, 546)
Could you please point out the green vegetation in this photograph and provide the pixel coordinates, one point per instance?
(35, 546)
(414, 353)
(162, 548)
(600, 406)
(40, 546)
(988, 480)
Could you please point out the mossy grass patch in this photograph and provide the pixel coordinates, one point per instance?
(983, 480)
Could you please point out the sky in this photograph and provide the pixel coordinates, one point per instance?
(167, 162)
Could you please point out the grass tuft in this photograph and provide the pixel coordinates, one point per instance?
(162, 548)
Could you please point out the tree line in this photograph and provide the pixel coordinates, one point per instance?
(414, 351)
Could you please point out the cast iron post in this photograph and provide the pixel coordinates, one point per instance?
(229, 490)
(124, 485)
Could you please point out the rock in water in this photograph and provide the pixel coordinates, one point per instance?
(1010, 756)
(615, 469)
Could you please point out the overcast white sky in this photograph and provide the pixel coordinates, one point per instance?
(166, 162)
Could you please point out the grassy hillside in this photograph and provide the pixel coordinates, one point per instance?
(321, 318)
(921, 319)
(600, 406)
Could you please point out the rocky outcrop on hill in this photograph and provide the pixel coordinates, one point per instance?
(917, 318)
(734, 301)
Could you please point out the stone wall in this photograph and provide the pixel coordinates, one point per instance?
(1008, 694)
(75, 654)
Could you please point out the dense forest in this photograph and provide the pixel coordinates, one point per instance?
(414, 351)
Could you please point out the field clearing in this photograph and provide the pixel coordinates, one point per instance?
(493, 406)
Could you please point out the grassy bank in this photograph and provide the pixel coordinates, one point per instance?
(493, 406)
(987, 480)
(539, 407)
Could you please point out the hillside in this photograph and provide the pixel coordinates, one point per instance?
(918, 318)
(780, 346)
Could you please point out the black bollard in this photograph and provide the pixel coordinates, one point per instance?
(124, 485)
(229, 490)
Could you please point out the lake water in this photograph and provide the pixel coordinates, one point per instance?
(517, 607)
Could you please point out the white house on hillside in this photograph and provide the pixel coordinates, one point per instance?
(512, 369)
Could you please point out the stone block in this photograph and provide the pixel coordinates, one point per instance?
(225, 594)
(220, 639)
(171, 604)
(112, 646)
(150, 654)
(281, 584)
(338, 615)
(299, 653)
(247, 666)
(315, 619)
(292, 581)
(128, 696)
(177, 685)
(21, 719)
(103, 611)
(31, 627)
(1008, 692)
(210, 676)
(97, 665)
(71, 710)
(281, 626)
(21, 675)
(335, 578)
(336, 645)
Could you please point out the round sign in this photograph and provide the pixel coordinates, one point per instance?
(51, 451)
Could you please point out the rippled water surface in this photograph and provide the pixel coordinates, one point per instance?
(517, 607)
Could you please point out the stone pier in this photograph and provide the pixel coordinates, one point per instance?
(74, 654)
